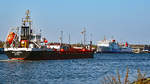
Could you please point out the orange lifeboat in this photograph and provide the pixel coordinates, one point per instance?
(10, 37)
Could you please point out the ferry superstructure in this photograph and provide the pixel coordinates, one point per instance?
(111, 46)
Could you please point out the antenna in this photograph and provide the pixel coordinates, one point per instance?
(69, 39)
(91, 41)
(91, 37)
(27, 12)
(27, 18)
(112, 37)
(40, 31)
(61, 37)
(104, 38)
(84, 35)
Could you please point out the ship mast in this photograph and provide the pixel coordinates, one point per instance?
(27, 21)
(69, 39)
(84, 36)
(26, 30)
(61, 37)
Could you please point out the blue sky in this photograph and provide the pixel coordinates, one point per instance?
(125, 20)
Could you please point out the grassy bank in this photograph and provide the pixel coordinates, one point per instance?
(140, 79)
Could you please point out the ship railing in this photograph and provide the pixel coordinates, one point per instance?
(36, 44)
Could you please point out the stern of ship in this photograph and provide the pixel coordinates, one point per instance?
(17, 53)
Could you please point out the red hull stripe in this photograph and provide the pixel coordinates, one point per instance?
(17, 58)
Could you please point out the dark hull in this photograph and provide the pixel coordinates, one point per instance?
(47, 55)
(1, 50)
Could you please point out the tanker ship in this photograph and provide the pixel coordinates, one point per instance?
(22, 43)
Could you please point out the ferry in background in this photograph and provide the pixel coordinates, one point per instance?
(111, 46)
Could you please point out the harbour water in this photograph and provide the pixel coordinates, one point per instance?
(74, 71)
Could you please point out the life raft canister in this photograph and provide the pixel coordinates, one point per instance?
(83, 49)
(62, 50)
(10, 37)
(126, 44)
(45, 41)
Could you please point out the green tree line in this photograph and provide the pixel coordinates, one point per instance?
(1, 44)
